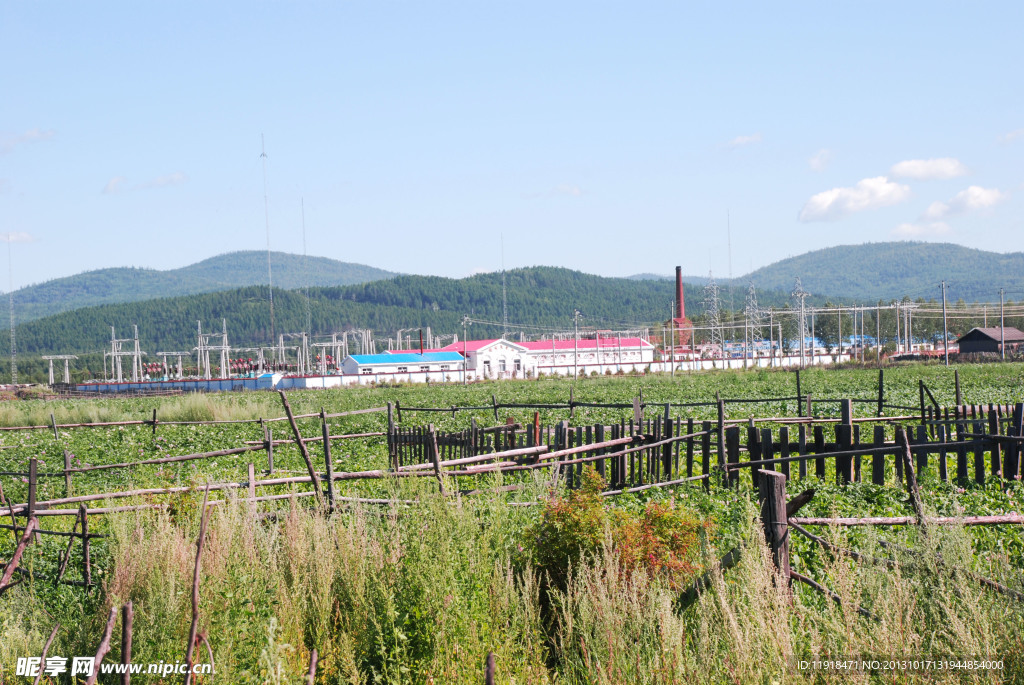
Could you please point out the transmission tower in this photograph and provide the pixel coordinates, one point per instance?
(712, 312)
(799, 295)
(753, 314)
(14, 347)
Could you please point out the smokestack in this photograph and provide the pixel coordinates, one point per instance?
(680, 302)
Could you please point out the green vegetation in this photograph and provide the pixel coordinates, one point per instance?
(223, 272)
(882, 271)
(421, 592)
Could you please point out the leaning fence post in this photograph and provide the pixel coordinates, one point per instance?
(489, 669)
(772, 493)
(327, 458)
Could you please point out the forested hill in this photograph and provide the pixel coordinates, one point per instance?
(223, 272)
(875, 271)
(540, 296)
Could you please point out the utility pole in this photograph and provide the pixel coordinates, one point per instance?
(945, 331)
(465, 352)
(878, 334)
(799, 294)
(576, 343)
(266, 213)
(1003, 332)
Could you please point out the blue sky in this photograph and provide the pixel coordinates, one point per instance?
(612, 138)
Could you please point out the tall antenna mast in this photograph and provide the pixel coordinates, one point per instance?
(266, 214)
(504, 292)
(305, 267)
(728, 235)
(14, 347)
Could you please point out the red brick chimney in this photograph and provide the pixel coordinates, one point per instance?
(680, 301)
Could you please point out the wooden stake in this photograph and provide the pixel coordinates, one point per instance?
(104, 647)
(327, 458)
(435, 458)
(908, 468)
(83, 515)
(127, 616)
(489, 669)
(773, 516)
(311, 674)
(193, 629)
(302, 448)
(46, 648)
(26, 537)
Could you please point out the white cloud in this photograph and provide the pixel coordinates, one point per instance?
(1012, 136)
(739, 141)
(820, 159)
(35, 135)
(975, 197)
(932, 229)
(117, 183)
(870, 193)
(568, 189)
(114, 185)
(929, 169)
(175, 179)
(16, 237)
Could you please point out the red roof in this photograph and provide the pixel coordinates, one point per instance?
(586, 344)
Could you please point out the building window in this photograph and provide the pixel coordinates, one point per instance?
(403, 369)
(444, 367)
(366, 370)
(501, 365)
(424, 368)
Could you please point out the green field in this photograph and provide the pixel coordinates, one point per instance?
(422, 593)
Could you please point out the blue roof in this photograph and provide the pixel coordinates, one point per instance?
(406, 358)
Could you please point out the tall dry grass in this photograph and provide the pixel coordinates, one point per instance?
(421, 594)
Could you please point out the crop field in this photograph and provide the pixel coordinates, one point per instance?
(559, 585)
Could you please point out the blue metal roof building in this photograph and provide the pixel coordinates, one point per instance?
(406, 358)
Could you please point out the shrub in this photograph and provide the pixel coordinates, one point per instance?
(662, 540)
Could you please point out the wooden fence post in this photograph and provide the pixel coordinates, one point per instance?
(392, 447)
(705, 453)
(666, 450)
(1011, 466)
(721, 438)
(732, 448)
(956, 380)
(878, 460)
(772, 493)
(269, 434)
(127, 617)
(434, 457)
(844, 440)
(489, 669)
(801, 448)
(251, 469)
(784, 449)
(996, 448)
(33, 483)
(83, 515)
(327, 458)
(154, 422)
(799, 396)
(881, 392)
(303, 450)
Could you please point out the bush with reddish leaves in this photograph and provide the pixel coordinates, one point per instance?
(663, 540)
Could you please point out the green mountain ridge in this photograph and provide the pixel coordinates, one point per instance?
(883, 271)
(222, 272)
(537, 297)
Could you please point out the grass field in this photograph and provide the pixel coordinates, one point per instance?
(423, 593)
